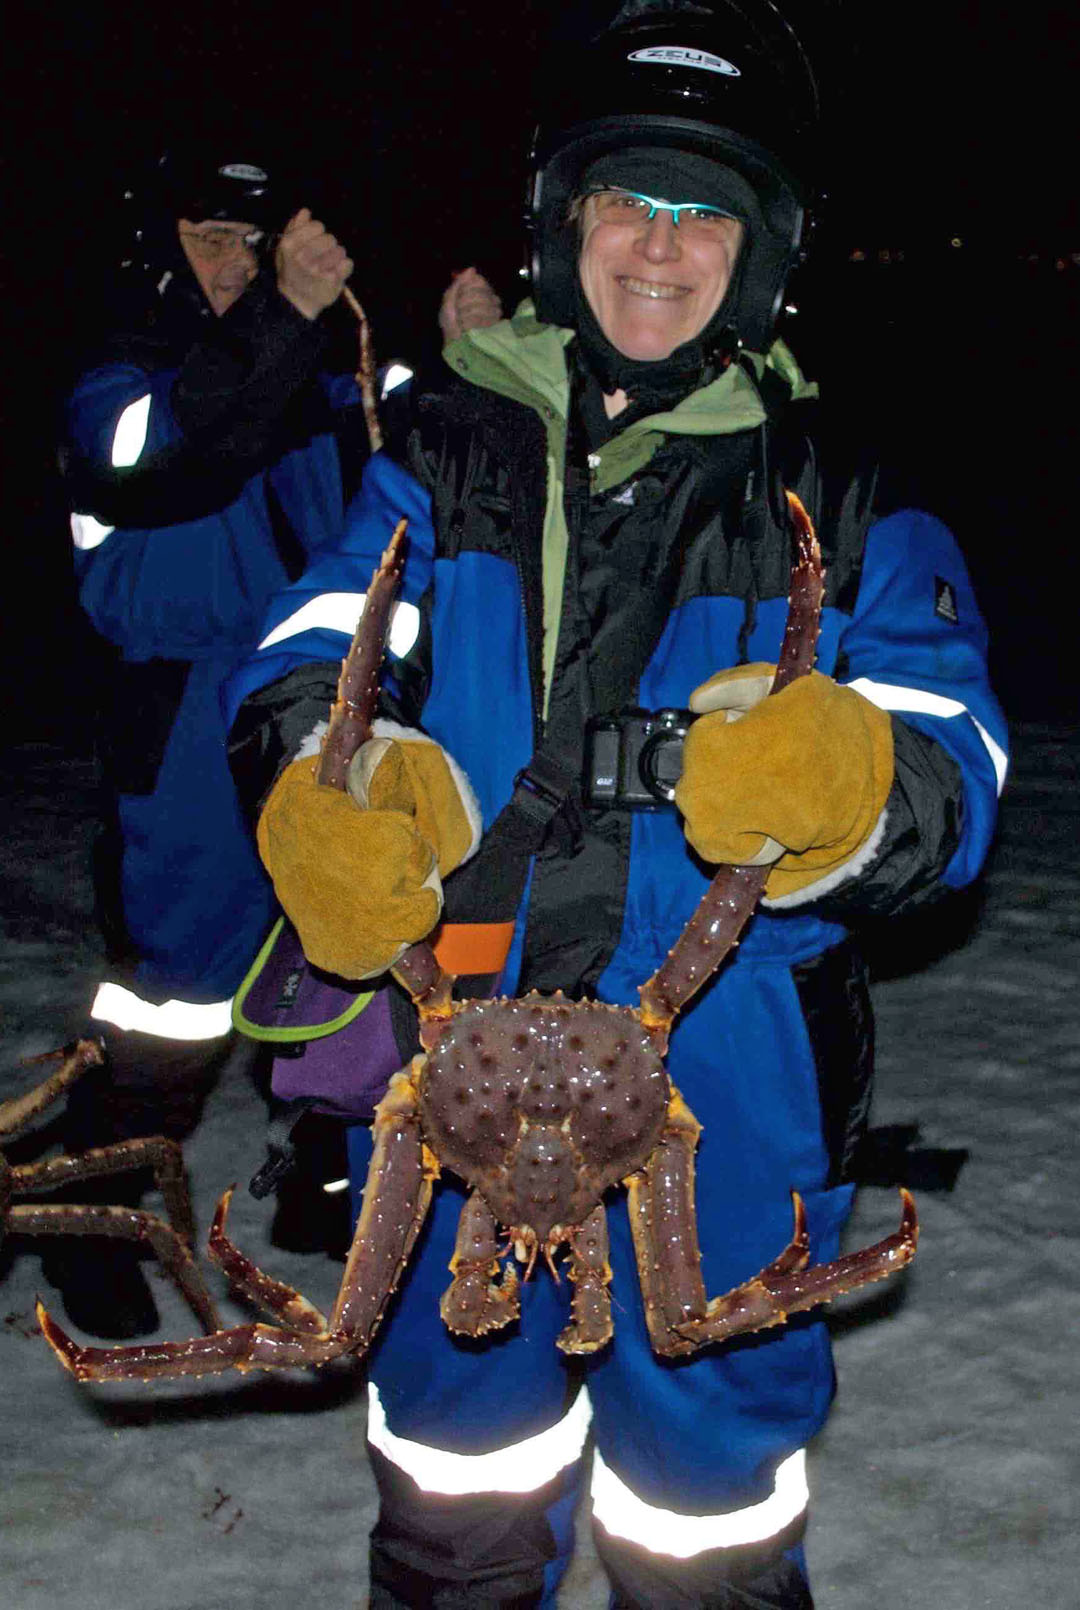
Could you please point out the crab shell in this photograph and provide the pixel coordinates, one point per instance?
(541, 1104)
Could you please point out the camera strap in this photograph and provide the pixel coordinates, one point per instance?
(544, 808)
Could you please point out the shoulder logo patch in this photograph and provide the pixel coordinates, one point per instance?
(945, 601)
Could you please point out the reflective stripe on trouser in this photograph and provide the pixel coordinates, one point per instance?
(474, 1530)
(663, 1531)
(741, 1559)
(520, 1467)
(123, 1008)
(486, 1529)
(525, 1466)
(752, 1578)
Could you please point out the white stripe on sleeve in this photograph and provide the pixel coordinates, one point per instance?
(889, 696)
(340, 612)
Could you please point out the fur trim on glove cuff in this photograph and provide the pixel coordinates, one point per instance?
(850, 868)
(312, 743)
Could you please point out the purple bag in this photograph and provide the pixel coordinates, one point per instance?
(337, 1044)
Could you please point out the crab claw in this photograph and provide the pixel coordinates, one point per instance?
(790, 1285)
(58, 1339)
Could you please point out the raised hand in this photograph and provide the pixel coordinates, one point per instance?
(312, 265)
(469, 303)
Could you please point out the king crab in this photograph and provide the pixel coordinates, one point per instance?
(170, 1243)
(540, 1105)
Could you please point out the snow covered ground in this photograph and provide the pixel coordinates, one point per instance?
(947, 1478)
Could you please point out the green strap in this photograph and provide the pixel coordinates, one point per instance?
(311, 1031)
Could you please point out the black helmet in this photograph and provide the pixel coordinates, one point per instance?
(192, 183)
(733, 85)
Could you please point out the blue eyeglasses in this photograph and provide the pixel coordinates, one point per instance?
(630, 207)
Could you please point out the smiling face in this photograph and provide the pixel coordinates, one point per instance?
(650, 284)
(220, 259)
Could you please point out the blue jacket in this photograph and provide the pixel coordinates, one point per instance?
(204, 470)
(187, 459)
(774, 1056)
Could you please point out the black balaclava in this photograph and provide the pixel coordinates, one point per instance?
(675, 176)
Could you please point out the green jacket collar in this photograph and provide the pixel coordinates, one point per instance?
(524, 360)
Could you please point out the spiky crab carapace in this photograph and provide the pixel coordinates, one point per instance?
(540, 1104)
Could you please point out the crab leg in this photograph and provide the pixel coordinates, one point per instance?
(662, 1218)
(396, 1200)
(305, 1340)
(286, 1304)
(365, 374)
(18, 1111)
(786, 1287)
(157, 1152)
(350, 727)
(125, 1224)
(715, 926)
(663, 1223)
(244, 1347)
(799, 647)
(170, 1243)
(590, 1273)
(476, 1301)
(358, 685)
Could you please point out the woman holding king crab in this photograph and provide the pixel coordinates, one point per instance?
(597, 525)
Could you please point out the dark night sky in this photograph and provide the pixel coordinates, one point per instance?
(407, 127)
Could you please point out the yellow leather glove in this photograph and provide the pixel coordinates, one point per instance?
(798, 780)
(361, 884)
(413, 774)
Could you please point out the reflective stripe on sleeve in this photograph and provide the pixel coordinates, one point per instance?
(340, 612)
(396, 375)
(523, 1467)
(662, 1531)
(87, 533)
(172, 1020)
(888, 696)
(129, 439)
(130, 435)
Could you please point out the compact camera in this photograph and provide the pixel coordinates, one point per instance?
(634, 759)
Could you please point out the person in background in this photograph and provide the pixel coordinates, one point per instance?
(598, 526)
(204, 453)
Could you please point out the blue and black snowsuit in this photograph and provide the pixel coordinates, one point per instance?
(203, 467)
(536, 549)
